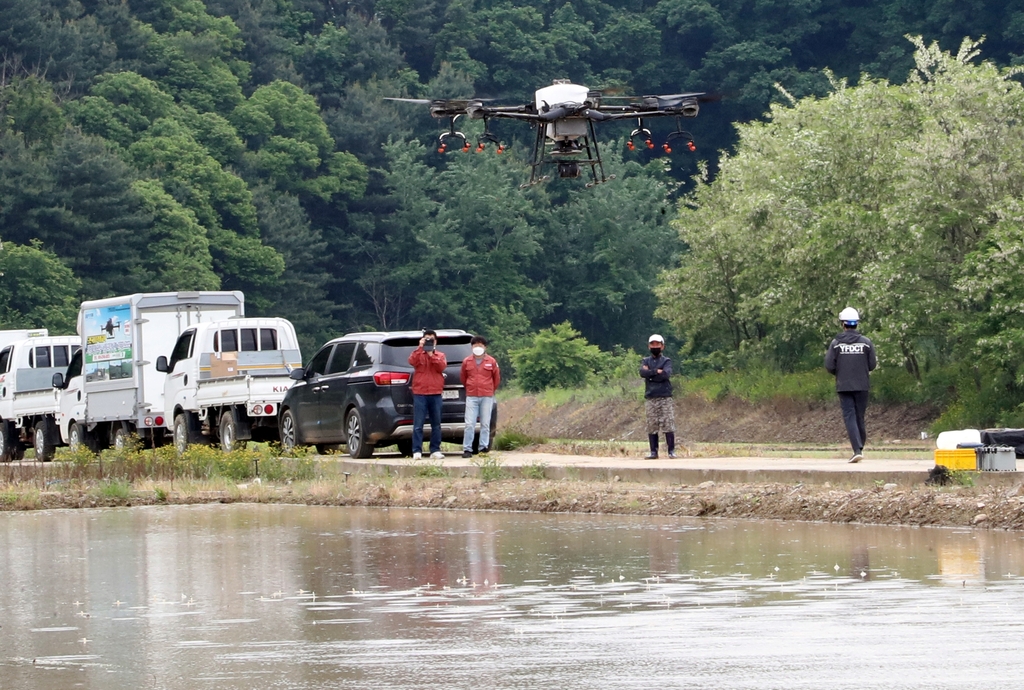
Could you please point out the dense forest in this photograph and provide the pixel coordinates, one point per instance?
(246, 144)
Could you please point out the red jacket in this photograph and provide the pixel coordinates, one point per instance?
(428, 377)
(480, 380)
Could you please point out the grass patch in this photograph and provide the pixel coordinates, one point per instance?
(491, 468)
(535, 470)
(115, 489)
(430, 470)
(513, 439)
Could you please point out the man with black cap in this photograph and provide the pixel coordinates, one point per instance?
(850, 358)
(656, 371)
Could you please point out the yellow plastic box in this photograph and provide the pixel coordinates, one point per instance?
(958, 459)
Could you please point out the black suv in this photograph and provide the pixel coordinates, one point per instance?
(355, 390)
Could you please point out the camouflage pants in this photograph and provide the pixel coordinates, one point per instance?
(661, 415)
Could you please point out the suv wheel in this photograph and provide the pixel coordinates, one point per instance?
(288, 431)
(356, 442)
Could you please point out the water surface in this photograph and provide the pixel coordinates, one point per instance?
(245, 596)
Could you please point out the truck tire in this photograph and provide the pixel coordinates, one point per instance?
(120, 437)
(229, 440)
(183, 435)
(8, 442)
(354, 435)
(78, 437)
(288, 431)
(42, 441)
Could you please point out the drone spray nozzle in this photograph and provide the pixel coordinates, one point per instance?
(690, 145)
(442, 148)
(666, 148)
(500, 149)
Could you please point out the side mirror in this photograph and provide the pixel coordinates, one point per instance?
(161, 364)
(57, 381)
(298, 374)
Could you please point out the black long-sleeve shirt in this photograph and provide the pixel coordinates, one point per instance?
(850, 357)
(657, 385)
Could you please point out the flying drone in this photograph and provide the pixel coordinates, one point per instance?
(564, 115)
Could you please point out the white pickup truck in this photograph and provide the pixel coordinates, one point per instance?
(226, 379)
(28, 402)
(113, 390)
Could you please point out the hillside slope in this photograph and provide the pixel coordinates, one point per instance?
(698, 420)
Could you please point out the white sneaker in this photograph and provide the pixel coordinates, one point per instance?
(437, 456)
(417, 456)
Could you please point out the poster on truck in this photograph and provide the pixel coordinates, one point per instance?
(108, 342)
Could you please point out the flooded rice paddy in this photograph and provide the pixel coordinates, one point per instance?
(251, 596)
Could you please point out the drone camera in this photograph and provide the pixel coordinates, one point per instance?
(568, 169)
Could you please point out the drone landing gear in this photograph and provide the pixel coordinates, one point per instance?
(452, 135)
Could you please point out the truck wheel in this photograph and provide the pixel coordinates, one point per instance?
(229, 433)
(41, 441)
(354, 433)
(183, 437)
(120, 439)
(287, 429)
(78, 437)
(8, 444)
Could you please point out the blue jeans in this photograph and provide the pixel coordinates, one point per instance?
(478, 407)
(422, 407)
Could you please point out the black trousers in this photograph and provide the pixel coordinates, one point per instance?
(854, 404)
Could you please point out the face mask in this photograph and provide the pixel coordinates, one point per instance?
(656, 351)
(479, 351)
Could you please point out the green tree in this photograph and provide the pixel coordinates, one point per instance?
(37, 290)
(178, 255)
(558, 357)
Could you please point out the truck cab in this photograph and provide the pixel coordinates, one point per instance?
(226, 379)
(28, 403)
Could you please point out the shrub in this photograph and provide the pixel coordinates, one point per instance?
(511, 439)
(558, 356)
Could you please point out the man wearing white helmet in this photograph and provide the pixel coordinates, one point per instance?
(656, 372)
(850, 358)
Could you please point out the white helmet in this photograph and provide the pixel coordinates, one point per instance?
(655, 339)
(849, 315)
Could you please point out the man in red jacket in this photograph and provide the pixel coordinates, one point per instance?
(428, 365)
(481, 376)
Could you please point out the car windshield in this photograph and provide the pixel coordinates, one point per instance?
(396, 351)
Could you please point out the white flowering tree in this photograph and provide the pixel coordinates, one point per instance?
(906, 201)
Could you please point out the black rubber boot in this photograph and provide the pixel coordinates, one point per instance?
(670, 441)
(653, 439)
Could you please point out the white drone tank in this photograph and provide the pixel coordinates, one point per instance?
(560, 92)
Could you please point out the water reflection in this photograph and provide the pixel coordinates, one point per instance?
(287, 596)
